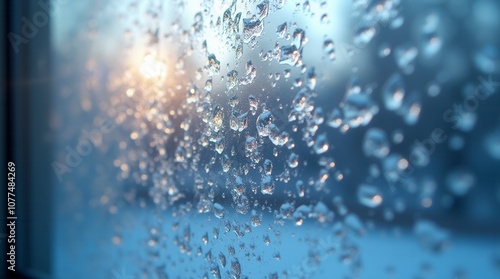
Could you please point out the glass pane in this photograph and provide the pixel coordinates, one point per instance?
(276, 139)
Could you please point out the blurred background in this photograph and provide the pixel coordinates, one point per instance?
(253, 139)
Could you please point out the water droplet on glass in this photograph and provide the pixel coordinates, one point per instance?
(208, 85)
(222, 260)
(375, 143)
(263, 9)
(293, 160)
(394, 166)
(252, 28)
(232, 80)
(219, 211)
(322, 213)
(267, 185)
(328, 49)
(411, 108)
(358, 110)
(364, 34)
(369, 196)
(281, 30)
(219, 145)
(217, 118)
(433, 89)
(213, 65)
(394, 92)
(268, 167)
(235, 269)
(324, 19)
(321, 144)
(431, 44)
(299, 38)
(384, 50)
(397, 136)
(289, 55)
(405, 56)
(264, 122)
(214, 269)
(301, 213)
(256, 219)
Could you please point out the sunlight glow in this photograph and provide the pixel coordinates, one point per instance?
(151, 68)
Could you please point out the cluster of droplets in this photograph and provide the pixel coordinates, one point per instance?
(192, 147)
(356, 109)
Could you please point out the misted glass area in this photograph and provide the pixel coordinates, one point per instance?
(275, 139)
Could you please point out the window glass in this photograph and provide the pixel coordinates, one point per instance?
(277, 139)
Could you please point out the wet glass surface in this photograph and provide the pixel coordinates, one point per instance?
(277, 139)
